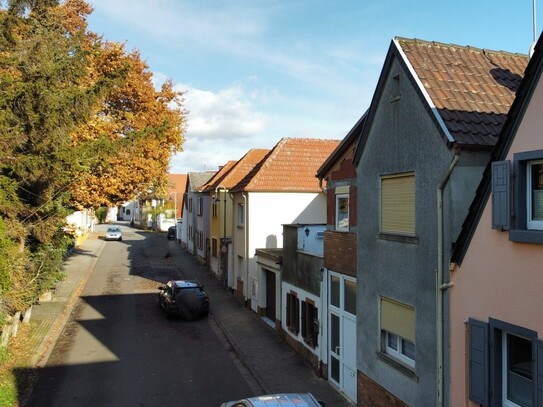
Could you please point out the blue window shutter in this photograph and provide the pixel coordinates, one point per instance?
(539, 373)
(501, 198)
(478, 362)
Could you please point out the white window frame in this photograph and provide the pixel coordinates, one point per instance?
(340, 197)
(531, 224)
(398, 353)
(506, 402)
(241, 214)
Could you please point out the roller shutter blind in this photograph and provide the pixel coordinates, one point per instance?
(398, 204)
(398, 318)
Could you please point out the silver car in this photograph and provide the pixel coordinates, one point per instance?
(114, 233)
(278, 400)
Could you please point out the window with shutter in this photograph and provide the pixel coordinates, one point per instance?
(293, 313)
(526, 194)
(398, 322)
(309, 315)
(398, 204)
(509, 372)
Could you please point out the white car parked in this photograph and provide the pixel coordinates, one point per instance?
(278, 400)
(114, 233)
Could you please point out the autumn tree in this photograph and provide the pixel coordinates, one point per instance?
(81, 125)
(42, 70)
(139, 128)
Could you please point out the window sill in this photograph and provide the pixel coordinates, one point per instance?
(526, 236)
(398, 238)
(309, 342)
(401, 367)
(293, 330)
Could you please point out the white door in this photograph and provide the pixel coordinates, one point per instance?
(349, 356)
(254, 294)
(342, 333)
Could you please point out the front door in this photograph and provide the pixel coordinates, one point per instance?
(342, 333)
(270, 295)
(254, 294)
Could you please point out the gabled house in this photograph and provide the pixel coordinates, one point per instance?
(301, 313)
(195, 211)
(338, 173)
(281, 189)
(496, 319)
(176, 190)
(222, 216)
(213, 189)
(433, 121)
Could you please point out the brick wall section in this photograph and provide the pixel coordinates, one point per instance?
(346, 170)
(340, 252)
(370, 394)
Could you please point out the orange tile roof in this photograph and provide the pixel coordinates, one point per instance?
(244, 166)
(471, 88)
(216, 179)
(177, 182)
(289, 167)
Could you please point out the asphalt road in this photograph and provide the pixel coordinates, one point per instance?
(118, 349)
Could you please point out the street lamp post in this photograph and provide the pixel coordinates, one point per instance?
(174, 204)
(223, 251)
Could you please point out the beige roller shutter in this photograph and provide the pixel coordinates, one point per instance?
(398, 318)
(398, 204)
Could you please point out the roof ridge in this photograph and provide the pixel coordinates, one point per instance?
(466, 47)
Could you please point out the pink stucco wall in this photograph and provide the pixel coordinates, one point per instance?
(498, 278)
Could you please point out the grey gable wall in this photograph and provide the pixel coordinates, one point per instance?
(403, 137)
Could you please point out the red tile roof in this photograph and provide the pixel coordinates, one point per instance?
(234, 171)
(471, 88)
(290, 166)
(216, 179)
(244, 166)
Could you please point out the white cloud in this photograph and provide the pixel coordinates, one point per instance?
(223, 115)
(222, 126)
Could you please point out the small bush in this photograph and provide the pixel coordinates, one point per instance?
(101, 214)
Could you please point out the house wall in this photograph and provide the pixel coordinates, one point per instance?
(266, 213)
(202, 225)
(191, 222)
(403, 137)
(310, 354)
(266, 264)
(498, 278)
(300, 269)
(217, 228)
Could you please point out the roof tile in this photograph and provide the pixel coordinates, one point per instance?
(290, 166)
(465, 82)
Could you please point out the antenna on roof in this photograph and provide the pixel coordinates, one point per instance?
(531, 50)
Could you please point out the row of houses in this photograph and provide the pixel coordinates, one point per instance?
(402, 261)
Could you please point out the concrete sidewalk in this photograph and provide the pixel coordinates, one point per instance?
(275, 366)
(49, 317)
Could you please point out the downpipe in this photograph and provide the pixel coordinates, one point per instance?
(440, 285)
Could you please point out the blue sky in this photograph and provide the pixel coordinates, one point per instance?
(255, 71)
